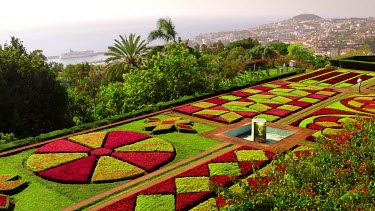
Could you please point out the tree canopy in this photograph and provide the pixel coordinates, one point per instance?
(32, 101)
(165, 30)
(126, 51)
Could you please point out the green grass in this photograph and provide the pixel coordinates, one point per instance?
(42, 194)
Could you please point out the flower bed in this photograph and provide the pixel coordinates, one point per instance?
(268, 99)
(310, 75)
(332, 78)
(4, 202)
(123, 155)
(194, 186)
(158, 126)
(255, 181)
(328, 120)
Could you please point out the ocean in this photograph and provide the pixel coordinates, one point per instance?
(58, 39)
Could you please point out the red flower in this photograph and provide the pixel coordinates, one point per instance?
(366, 189)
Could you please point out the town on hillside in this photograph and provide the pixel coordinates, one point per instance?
(332, 37)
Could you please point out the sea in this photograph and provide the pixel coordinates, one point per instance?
(55, 40)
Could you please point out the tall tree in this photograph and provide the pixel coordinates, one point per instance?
(126, 51)
(165, 30)
(32, 101)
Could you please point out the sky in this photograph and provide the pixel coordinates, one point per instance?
(23, 14)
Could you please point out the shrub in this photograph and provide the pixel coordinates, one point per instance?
(339, 175)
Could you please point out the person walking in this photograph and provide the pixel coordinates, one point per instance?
(359, 82)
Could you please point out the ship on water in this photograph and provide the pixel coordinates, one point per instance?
(78, 54)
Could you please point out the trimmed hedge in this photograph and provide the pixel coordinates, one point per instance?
(357, 65)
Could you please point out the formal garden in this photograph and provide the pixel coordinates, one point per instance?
(181, 158)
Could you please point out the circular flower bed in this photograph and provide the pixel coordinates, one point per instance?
(100, 157)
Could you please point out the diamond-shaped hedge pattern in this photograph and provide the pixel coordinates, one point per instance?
(251, 155)
(192, 184)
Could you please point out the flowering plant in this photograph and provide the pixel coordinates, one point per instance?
(338, 175)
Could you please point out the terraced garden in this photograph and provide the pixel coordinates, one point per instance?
(176, 160)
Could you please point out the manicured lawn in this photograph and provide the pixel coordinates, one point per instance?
(42, 194)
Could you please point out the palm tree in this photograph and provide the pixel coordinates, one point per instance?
(165, 30)
(126, 52)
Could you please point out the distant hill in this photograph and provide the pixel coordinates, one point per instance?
(306, 17)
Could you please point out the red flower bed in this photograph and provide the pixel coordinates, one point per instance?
(354, 80)
(327, 119)
(247, 166)
(217, 101)
(146, 160)
(221, 180)
(341, 78)
(166, 187)
(241, 94)
(227, 157)
(326, 76)
(204, 116)
(304, 77)
(101, 152)
(74, 172)
(262, 88)
(4, 202)
(185, 201)
(119, 138)
(305, 153)
(311, 138)
(279, 82)
(300, 104)
(278, 112)
(62, 146)
(127, 204)
(318, 96)
(219, 107)
(315, 126)
(188, 109)
(310, 91)
(324, 111)
(81, 170)
(220, 201)
(168, 122)
(256, 183)
(182, 126)
(245, 100)
(247, 114)
(199, 171)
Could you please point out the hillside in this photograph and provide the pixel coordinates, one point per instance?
(324, 36)
(306, 17)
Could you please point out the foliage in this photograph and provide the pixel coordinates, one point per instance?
(169, 75)
(7, 137)
(281, 48)
(337, 176)
(299, 52)
(165, 30)
(124, 53)
(32, 100)
(246, 43)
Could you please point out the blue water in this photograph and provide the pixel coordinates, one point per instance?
(55, 40)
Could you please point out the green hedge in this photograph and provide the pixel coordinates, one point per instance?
(355, 62)
(142, 111)
(357, 65)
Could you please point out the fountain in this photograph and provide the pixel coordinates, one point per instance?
(262, 133)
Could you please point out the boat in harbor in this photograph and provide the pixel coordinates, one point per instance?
(78, 54)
